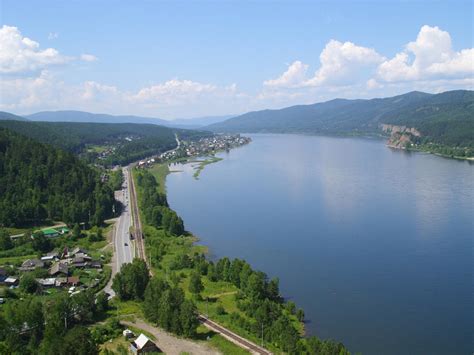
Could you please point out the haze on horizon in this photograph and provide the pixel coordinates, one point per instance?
(175, 60)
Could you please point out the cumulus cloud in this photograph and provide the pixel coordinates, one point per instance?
(88, 58)
(21, 55)
(295, 76)
(430, 56)
(342, 63)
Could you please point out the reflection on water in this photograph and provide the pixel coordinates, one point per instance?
(375, 244)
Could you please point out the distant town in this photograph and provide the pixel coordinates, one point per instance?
(200, 147)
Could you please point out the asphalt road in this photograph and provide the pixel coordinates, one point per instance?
(124, 251)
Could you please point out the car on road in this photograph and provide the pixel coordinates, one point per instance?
(126, 244)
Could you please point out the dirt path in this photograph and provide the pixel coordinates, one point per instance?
(170, 344)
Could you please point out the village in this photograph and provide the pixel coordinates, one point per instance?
(73, 268)
(200, 147)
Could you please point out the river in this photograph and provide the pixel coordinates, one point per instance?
(375, 244)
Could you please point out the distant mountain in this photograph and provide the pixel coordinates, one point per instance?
(7, 116)
(447, 117)
(81, 116)
(199, 122)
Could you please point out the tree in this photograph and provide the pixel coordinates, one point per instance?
(5, 240)
(78, 341)
(188, 318)
(102, 302)
(195, 283)
(300, 314)
(28, 283)
(84, 306)
(41, 243)
(76, 231)
(132, 280)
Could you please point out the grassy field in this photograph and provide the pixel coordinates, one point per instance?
(220, 343)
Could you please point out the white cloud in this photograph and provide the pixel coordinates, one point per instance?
(294, 76)
(53, 35)
(21, 55)
(184, 97)
(430, 56)
(88, 58)
(342, 63)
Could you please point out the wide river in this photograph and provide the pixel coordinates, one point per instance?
(376, 245)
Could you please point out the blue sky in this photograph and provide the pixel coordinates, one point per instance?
(196, 58)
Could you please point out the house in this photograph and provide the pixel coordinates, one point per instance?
(78, 262)
(59, 268)
(31, 264)
(127, 333)
(50, 232)
(61, 281)
(75, 251)
(49, 282)
(50, 257)
(72, 281)
(11, 281)
(95, 264)
(143, 345)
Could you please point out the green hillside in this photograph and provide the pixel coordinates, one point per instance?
(39, 182)
(7, 116)
(446, 118)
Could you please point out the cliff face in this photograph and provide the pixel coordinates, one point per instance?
(401, 137)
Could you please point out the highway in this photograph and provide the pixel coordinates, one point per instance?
(124, 252)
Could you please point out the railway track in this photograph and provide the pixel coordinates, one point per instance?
(137, 226)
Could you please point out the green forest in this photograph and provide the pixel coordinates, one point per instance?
(125, 142)
(40, 183)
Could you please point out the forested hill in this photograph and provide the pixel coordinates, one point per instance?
(7, 116)
(123, 142)
(81, 116)
(447, 117)
(39, 182)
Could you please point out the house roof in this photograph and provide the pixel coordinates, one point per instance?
(32, 263)
(47, 282)
(49, 231)
(73, 280)
(141, 341)
(58, 267)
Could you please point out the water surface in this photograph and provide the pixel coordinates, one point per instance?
(375, 244)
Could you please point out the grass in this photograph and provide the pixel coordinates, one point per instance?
(16, 259)
(160, 171)
(116, 345)
(219, 342)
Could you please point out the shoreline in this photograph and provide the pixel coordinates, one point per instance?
(415, 150)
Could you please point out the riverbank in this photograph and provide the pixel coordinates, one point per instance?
(223, 298)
